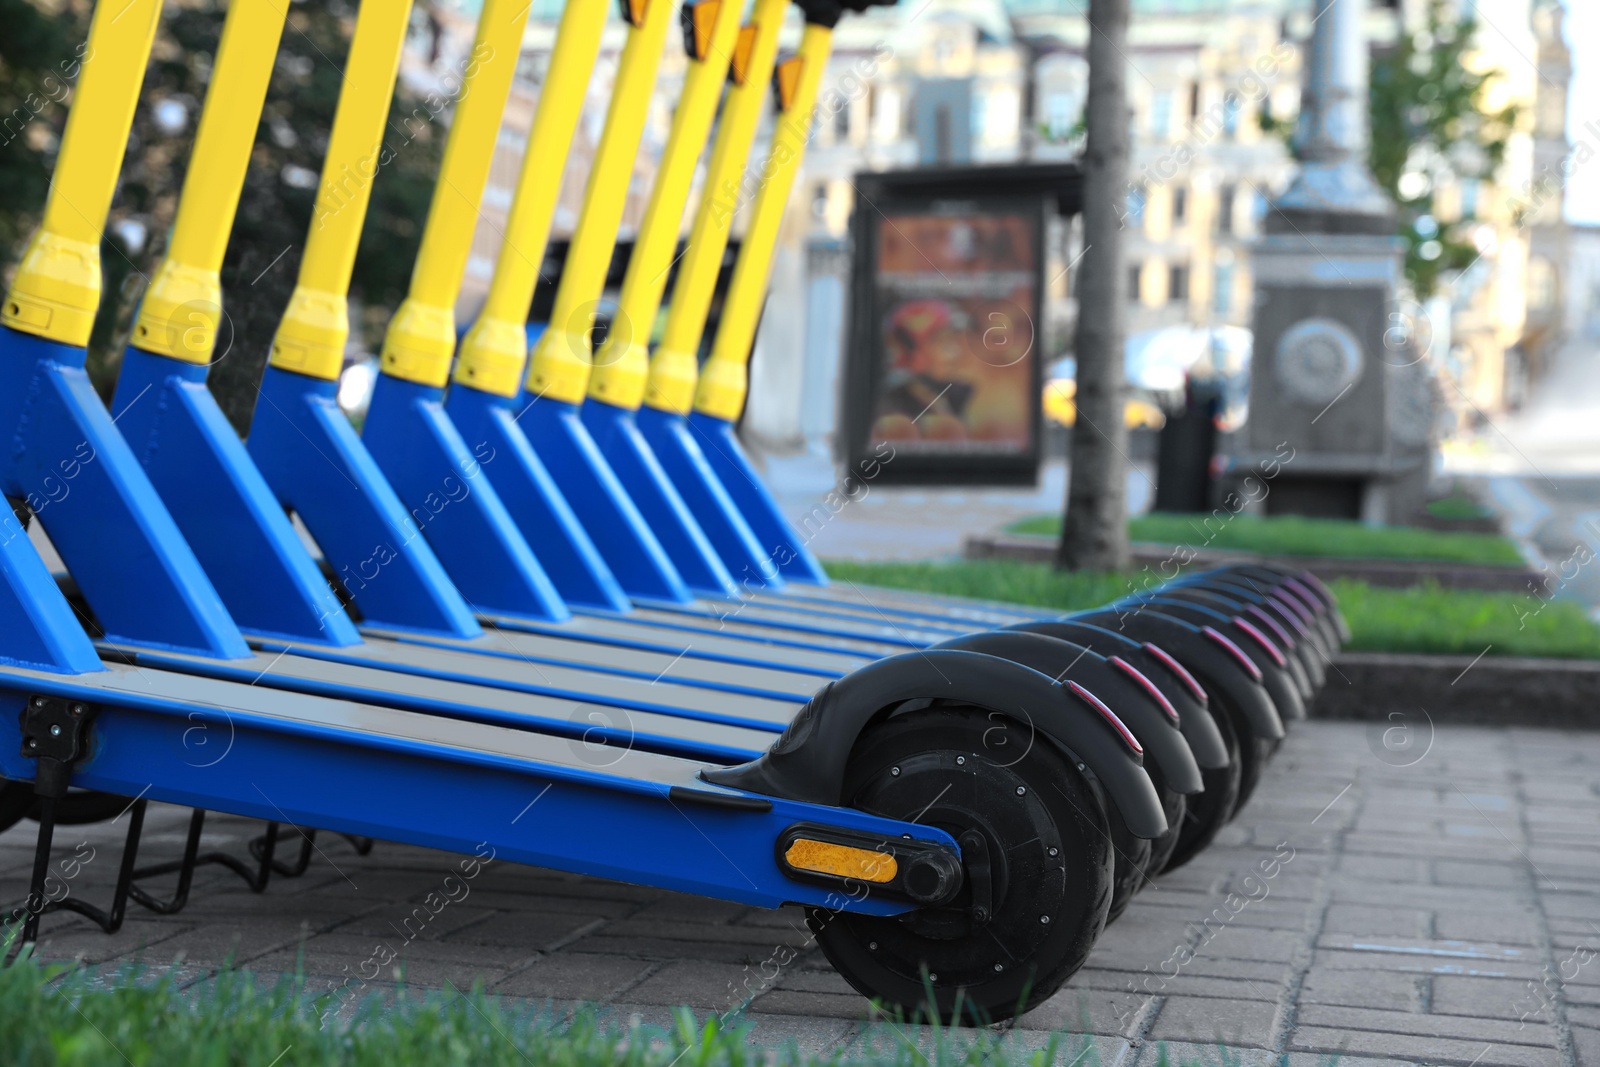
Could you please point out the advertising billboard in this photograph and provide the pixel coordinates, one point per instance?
(946, 344)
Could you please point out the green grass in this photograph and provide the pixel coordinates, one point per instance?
(1427, 618)
(1457, 506)
(1290, 535)
(990, 579)
(1424, 618)
(51, 1019)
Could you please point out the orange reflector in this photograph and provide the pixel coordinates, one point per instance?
(842, 861)
(787, 80)
(698, 21)
(742, 47)
(633, 11)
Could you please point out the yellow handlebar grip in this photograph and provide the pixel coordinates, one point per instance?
(311, 338)
(57, 286)
(559, 366)
(422, 335)
(675, 366)
(622, 365)
(496, 348)
(724, 380)
(180, 312)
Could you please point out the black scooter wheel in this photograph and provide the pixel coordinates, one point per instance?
(1130, 860)
(1206, 814)
(1176, 808)
(1254, 752)
(1136, 860)
(1037, 858)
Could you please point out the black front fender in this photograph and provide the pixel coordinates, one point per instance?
(1053, 657)
(1194, 718)
(1306, 588)
(808, 761)
(1280, 684)
(1233, 609)
(1211, 664)
(1310, 637)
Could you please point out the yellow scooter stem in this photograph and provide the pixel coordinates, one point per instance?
(57, 286)
(559, 366)
(422, 334)
(181, 309)
(311, 338)
(724, 380)
(622, 365)
(675, 367)
(495, 349)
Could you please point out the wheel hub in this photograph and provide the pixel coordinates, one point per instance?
(992, 813)
(1036, 866)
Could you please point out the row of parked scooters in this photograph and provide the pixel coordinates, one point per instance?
(541, 603)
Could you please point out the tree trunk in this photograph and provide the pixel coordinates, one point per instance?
(1094, 532)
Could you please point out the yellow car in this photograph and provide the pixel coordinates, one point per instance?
(1060, 406)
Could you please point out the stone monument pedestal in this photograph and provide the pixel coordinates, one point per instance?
(1336, 429)
(1341, 401)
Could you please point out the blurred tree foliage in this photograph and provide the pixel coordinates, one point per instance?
(1432, 127)
(275, 210)
(39, 60)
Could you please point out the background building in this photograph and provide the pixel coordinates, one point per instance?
(957, 81)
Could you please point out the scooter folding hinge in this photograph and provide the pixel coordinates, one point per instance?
(55, 731)
(929, 874)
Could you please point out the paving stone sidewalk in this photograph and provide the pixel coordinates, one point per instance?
(1445, 911)
(876, 522)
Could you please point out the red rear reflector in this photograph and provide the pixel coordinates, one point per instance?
(1235, 651)
(1317, 584)
(1147, 685)
(1261, 639)
(1110, 716)
(1312, 603)
(1284, 640)
(1180, 672)
(1285, 595)
(1287, 613)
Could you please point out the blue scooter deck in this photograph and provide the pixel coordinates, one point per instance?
(719, 729)
(405, 671)
(472, 787)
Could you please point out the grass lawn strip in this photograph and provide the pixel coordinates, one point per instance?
(54, 1017)
(1423, 618)
(1290, 535)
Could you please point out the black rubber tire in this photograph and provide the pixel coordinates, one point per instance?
(1137, 860)
(1175, 806)
(1206, 814)
(1254, 752)
(1047, 911)
(1130, 861)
